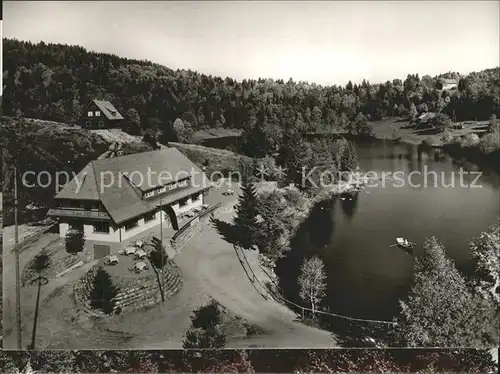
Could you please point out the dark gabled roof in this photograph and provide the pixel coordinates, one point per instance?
(169, 164)
(108, 109)
(112, 182)
(83, 186)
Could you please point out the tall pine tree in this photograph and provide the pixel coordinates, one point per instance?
(348, 158)
(245, 223)
(295, 156)
(103, 291)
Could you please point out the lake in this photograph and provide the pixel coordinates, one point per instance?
(353, 234)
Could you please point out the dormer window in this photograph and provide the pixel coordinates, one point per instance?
(112, 111)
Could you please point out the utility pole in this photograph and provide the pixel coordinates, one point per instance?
(16, 250)
(162, 249)
(41, 281)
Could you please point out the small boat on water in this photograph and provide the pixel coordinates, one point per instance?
(402, 242)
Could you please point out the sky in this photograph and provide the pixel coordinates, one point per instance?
(322, 42)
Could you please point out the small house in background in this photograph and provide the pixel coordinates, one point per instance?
(425, 120)
(100, 114)
(446, 84)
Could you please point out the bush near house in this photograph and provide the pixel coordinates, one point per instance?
(206, 330)
(75, 241)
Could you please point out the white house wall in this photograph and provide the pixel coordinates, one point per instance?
(113, 236)
(63, 229)
(120, 234)
(142, 226)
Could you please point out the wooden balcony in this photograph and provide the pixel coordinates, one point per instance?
(79, 213)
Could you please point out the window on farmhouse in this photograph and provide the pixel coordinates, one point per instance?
(97, 113)
(90, 113)
(131, 224)
(101, 227)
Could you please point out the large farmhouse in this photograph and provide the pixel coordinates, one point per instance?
(113, 199)
(100, 114)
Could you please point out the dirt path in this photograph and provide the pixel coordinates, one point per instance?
(212, 263)
(210, 269)
(54, 299)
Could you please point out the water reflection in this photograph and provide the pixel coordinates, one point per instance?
(321, 225)
(354, 235)
(349, 203)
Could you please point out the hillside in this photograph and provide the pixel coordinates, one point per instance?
(47, 146)
(213, 159)
(54, 82)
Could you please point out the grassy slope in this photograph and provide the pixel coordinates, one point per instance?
(51, 146)
(215, 133)
(59, 146)
(213, 158)
(384, 129)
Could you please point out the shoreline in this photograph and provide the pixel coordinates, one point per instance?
(471, 154)
(299, 212)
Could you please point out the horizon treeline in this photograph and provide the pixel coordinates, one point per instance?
(56, 81)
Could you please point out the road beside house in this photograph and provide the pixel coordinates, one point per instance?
(210, 269)
(212, 263)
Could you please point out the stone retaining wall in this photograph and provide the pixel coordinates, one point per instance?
(191, 228)
(139, 294)
(181, 240)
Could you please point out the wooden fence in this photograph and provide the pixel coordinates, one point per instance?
(364, 326)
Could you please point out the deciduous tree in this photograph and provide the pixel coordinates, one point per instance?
(440, 311)
(312, 282)
(133, 122)
(485, 252)
(75, 241)
(206, 330)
